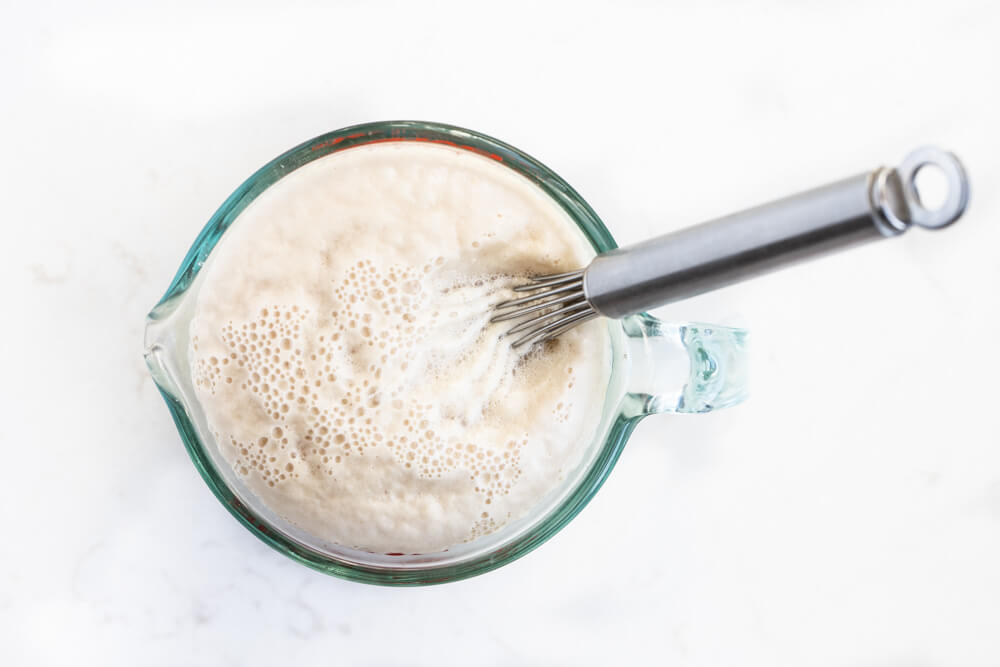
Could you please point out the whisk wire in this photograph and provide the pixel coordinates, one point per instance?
(550, 281)
(556, 304)
(557, 328)
(566, 309)
(548, 303)
(576, 286)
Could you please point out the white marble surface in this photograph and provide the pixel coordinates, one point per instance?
(848, 514)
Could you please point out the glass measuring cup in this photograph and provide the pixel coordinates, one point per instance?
(656, 368)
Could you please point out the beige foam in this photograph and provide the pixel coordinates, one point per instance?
(342, 352)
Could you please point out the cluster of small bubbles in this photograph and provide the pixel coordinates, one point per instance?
(493, 471)
(485, 525)
(494, 474)
(209, 372)
(335, 384)
(563, 410)
(264, 360)
(402, 298)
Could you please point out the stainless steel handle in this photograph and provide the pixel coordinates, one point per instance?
(879, 204)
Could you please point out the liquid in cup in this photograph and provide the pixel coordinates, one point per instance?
(341, 351)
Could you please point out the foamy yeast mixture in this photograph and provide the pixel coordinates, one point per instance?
(342, 353)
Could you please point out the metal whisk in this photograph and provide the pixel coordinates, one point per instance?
(874, 205)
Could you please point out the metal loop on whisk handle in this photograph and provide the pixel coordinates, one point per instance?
(874, 205)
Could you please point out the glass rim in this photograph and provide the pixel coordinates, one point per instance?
(350, 137)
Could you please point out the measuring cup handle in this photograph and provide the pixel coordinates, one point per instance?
(683, 368)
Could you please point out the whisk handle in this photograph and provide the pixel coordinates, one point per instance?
(875, 205)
